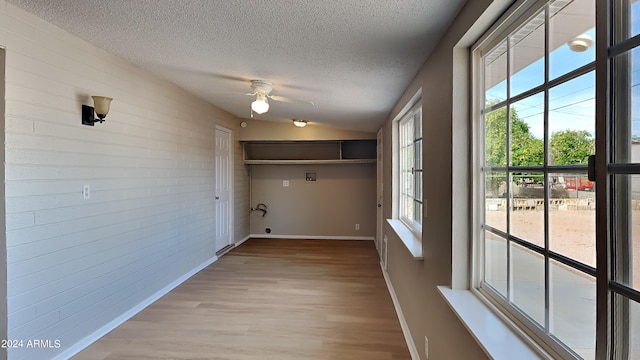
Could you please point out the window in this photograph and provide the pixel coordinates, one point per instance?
(410, 169)
(620, 170)
(536, 128)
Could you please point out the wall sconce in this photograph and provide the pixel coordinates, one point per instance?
(299, 122)
(101, 104)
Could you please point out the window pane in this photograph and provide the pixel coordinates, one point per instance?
(406, 133)
(417, 163)
(527, 269)
(572, 121)
(407, 183)
(527, 56)
(417, 212)
(527, 209)
(417, 118)
(418, 189)
(571, 35)
(527, 131)
(572, 313)
(495, 200)
(572, 217)
(406, 207)
(628, 19)
(495, 75)
(495, 138)
(627, 214)
(627, 107)
(634, 326)
(495, 253)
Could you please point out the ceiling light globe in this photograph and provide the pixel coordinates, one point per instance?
(299, 122)
(260, 106)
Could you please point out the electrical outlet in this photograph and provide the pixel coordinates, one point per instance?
(86, 192)
(285, 183)
(426, 348)
(357, 226)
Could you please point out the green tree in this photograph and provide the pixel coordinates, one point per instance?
(571, 147)
(526, 149)
(567, 147)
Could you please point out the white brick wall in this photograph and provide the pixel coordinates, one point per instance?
(74, 265)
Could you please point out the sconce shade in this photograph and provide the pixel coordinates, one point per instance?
(101, 105)
(299, 122)
(100, 108)
(260, 105)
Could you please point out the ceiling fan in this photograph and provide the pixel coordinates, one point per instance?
(261, 90)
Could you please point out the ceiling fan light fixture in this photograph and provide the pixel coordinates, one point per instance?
(299, 122)
(260, 105)
(580, 43)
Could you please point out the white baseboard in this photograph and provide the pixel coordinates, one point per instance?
(239, 242)
(93, 337)
(413, 351)
(311, 237)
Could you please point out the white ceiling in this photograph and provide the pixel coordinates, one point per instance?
(352, 58)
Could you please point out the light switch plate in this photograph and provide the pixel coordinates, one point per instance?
(86, 192)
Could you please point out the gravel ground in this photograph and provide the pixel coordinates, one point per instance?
(571, 233)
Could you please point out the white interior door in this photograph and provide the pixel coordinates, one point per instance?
(224, 187)
(380, 214)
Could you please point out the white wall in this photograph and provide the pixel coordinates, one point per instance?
(342, 196)
(74, 264)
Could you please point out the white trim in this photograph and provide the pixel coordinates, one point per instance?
(312, 237)
(415, 99)
(96, 335)
(413, 351)
(410, 240)
(239, 242)
(497, 336)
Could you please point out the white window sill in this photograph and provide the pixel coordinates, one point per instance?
(409, 239)
(496, 338)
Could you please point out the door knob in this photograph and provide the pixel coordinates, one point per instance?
(217, 197)
(379, 205)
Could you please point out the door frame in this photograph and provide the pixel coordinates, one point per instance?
(231, 184)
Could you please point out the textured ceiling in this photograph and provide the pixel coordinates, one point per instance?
(353, 59)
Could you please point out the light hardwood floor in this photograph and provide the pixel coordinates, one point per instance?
(269, 299)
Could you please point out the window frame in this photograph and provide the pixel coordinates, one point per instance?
(613, 171)
(517, 15)
(404, 175)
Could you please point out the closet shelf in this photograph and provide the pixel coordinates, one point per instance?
(305, 152)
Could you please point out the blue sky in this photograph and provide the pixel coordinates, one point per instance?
(571, 105)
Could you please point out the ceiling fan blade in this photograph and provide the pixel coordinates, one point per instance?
(290, 100)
